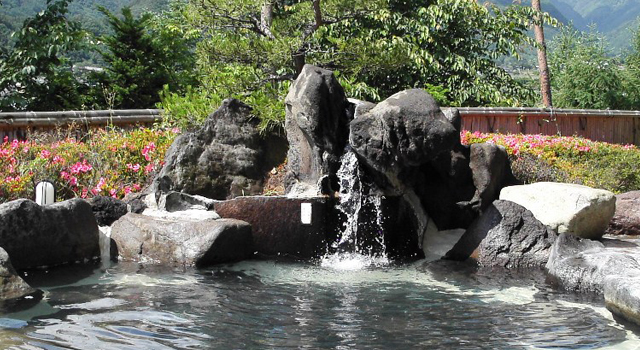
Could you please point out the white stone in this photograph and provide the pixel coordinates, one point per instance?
(191, 215)
(579, 210)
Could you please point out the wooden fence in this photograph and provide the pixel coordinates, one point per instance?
(622, 127)
(17, 125)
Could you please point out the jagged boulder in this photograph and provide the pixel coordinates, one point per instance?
(317, 118)
(11, 285)
(406, 130)
(226, 158)
(576, 209)
(49, 235)
(190, 238)
(491, 172)
(506, 235)
(107, 209)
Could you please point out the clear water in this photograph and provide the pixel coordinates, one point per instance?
(274, 305)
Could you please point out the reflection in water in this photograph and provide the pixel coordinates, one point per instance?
(291, 305)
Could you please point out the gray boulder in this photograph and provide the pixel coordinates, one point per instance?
(506, 235)
(317, 118)
(224, 159)
(50, 235)
(626, 220)
(610, 268)
(175, 239)
(107, 209)
(11, 285)
(580, 210)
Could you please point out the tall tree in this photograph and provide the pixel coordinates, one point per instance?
(138, 64)
(35, 75)
(252, 49)
(545, 83)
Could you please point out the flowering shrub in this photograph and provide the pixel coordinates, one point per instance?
(567, 159)
(107, 162)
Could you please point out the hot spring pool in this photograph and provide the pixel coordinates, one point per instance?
(278, 304)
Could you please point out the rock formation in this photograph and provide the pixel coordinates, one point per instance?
(506, 235)
(317, 118)
(226, 158)
(11, 285)
(182, 240)
(579, 210)
(55, 234)
(626, 220)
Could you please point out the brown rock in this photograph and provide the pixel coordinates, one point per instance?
(277, 226)
(626, 220)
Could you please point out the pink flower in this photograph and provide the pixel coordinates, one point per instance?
(148, 149)
(134, 168)
(113, 193)
(84, 193)
(58, 160)
(45, 154)
(148, 168)
(83, 167)
(136, 187)
(127, 190)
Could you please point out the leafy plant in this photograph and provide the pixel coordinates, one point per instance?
(35, 75)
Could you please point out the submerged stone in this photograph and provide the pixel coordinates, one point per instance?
(11, 285)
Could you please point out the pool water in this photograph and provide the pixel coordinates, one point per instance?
(284, 304)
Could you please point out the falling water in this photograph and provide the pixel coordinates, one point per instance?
(361, 243)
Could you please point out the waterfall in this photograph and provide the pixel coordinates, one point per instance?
(361, 243)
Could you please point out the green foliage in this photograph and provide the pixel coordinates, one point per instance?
(577, 160)
(139, 62)
(583, 75)
(35, 75)
(376, 48)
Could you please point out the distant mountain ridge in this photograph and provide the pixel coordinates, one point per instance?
(617, 19)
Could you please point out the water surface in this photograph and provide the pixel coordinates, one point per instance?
(280, 304)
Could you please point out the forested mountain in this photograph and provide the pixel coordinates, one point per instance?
(14, 12)
(617, 19)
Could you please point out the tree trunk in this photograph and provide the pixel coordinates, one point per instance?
(266, 18)
(545, 84)
(317, 13)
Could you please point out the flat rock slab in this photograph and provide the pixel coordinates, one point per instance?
(580, 210)
(277, 225)
(181, 240)
(610, 268)
(51, 235)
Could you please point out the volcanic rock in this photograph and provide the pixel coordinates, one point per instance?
(55, 234)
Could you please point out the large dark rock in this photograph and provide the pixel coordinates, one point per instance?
(181, 241)
(626, 220)
(107, 209)
(50, 235)
(506, 235)
(11, 285)
(406, 130)
(226, 158)
(491, 171)
(317, 118)
(277, 225)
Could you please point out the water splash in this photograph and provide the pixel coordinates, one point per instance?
(361, 243)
